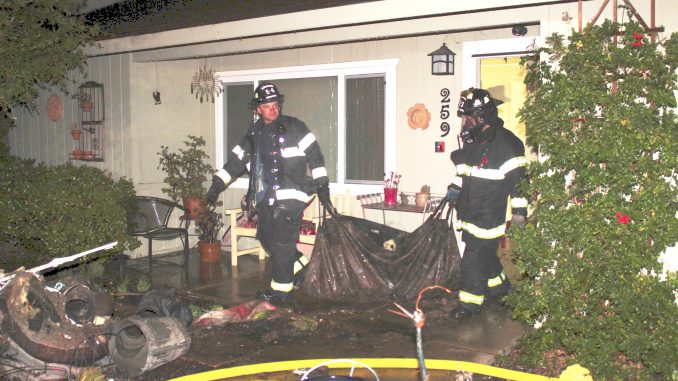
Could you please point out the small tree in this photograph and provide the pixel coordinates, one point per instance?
(601, 114)
(41, 41)
(186, 171)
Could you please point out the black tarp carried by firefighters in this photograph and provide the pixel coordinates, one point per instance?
(356, 260)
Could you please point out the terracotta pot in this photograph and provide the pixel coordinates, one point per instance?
(76, 134)
(209, 252)
(87, 106)
(420, 199)
(194, 206)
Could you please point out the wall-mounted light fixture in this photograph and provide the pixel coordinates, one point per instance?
(442, 61)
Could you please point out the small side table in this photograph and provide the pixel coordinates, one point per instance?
(404, 203)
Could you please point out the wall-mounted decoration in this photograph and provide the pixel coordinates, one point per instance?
(156, 93)
(444, 111)
(55, 108)
(418, 116)
(440, 147)
(206, 84)
(89, 138)
(156, 97)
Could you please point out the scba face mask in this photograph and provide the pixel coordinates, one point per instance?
(470, 127)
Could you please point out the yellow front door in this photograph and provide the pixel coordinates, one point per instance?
(504, 78)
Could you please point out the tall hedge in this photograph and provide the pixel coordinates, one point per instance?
(602, 115)
(60, 210)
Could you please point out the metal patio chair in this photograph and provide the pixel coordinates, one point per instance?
(158, 219)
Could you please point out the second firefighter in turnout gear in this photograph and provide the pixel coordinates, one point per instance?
(489, 167)
(276, 151)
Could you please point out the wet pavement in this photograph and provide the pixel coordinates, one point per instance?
(342, 331)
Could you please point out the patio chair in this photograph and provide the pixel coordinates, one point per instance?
(151, 219)
(241, 227)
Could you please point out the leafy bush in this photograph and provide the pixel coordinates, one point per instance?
(61, 210)
(602, 116)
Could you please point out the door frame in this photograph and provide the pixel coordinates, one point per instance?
(472, 51)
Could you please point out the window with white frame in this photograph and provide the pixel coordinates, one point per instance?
(349, 107)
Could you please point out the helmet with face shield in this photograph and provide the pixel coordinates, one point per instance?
(477, 108)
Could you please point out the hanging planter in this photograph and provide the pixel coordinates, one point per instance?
(87, 106)
(84, 99)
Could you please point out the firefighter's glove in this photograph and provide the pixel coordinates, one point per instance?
(452, 193)
(215, 190)
(518, 221)
(323, 192)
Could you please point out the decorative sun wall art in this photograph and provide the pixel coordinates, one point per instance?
(206, 84)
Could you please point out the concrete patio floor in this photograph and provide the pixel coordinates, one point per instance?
(356, 331)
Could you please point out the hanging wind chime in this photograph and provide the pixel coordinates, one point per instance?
(206, 84)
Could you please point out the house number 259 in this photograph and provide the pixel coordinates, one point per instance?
(444, 111)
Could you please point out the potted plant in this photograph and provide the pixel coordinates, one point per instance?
(208, 225)
(391, 189)
(85, 100)
(186, 171)
(422, 197)
(75, 131)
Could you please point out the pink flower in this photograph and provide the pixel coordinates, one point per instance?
(638, 37)
(623, 218)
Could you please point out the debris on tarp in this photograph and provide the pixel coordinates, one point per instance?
(361, 261)
(164, 303)
(253, 310)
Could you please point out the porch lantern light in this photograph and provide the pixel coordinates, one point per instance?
(442, 61)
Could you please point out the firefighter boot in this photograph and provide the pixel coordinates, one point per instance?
(276, 298)
(497, 293)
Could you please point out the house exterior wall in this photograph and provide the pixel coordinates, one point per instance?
(132, 68)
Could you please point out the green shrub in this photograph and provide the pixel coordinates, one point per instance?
(602, 115)
(61, 210)
(187, 170)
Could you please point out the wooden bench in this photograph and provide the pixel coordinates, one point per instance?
(241, 228)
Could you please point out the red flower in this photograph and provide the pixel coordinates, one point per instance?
(623, 218)
(638, 39)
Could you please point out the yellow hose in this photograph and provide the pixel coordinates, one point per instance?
(409, 363)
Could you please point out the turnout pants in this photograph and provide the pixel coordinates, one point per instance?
(278, 233)
(482, 274)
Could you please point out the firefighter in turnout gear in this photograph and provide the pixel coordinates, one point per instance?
(489, 167)
(276, 152)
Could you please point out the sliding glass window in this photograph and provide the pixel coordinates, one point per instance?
(348, 107)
